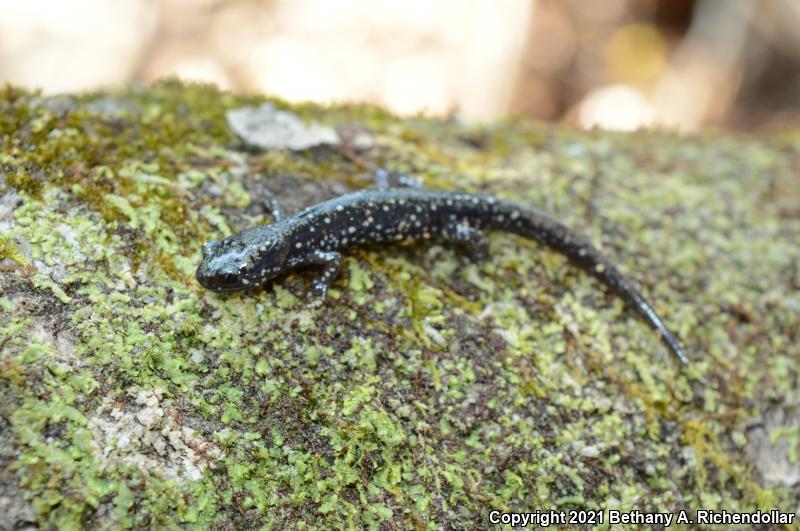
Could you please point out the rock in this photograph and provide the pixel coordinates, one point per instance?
(266, 127)
(428, 389)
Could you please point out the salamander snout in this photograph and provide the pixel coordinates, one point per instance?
(243, 261)
(226, 278)
(221, 269)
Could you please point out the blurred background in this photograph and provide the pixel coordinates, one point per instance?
(616, 64)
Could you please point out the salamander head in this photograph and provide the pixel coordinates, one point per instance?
(243, 261)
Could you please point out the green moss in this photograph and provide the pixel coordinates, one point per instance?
(427, 389)
(8, 250)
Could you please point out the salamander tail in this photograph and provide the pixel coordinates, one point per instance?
(533, 224)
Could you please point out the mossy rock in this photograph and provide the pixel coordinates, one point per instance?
(427, 389)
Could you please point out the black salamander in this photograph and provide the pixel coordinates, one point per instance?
(315, 236)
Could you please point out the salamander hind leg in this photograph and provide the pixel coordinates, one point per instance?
(331, 262)
(470, 239)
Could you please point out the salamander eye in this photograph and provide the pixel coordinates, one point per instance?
(228, 278)
(210, 247)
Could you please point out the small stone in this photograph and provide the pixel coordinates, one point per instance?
(266, 127)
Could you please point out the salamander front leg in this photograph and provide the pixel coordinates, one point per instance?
(275, 207)
(470, 239)
(331, 262)
(384, 179)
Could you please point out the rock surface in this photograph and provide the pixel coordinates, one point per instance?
(427, 390)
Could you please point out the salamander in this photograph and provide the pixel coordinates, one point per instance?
(315, 237)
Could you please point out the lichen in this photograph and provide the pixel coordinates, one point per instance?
(427, 389)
